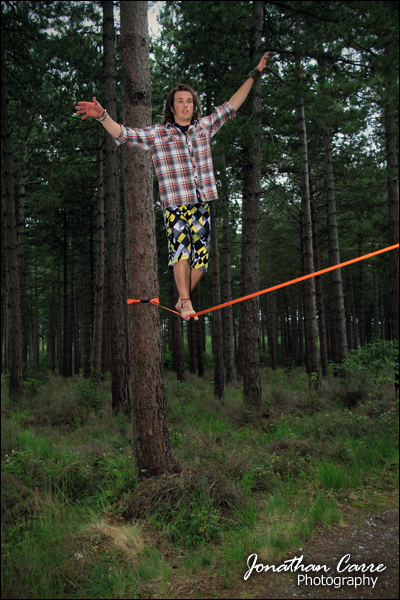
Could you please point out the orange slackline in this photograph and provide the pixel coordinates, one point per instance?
(155, 301)
(275, 287)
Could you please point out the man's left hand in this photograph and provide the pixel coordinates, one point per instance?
(261, 65)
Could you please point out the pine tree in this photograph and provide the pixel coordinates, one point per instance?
(153, 449)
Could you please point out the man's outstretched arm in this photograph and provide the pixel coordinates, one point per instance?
(237, 99)
(94, 109)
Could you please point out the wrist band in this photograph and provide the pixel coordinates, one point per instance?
(255, 74)
(102, 117)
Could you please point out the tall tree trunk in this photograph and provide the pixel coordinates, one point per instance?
(339, 342)
(361, 302)
(377, 329)
(251, 346)
(119, 366)
(217, 338)
(192, 344)
(11, 242)
(272, 317)
(293, 323)
(67, 337)
(179, 360)
(200, 325)
(392, 162)
(153, 449)
(60, 339)
(320, 299)
(21, 251)
(99, 293)
(310, 308)
(36, 350)
(52, 328)
(227, 311)
(87, 370)
(218, 347)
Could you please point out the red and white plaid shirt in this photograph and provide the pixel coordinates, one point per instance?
(183, 164)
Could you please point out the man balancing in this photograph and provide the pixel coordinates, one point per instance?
(181, 152)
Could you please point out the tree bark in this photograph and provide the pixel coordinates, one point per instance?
(200, 324)
(153, 449)
(11, 242)
(339, 341)
(392, 163)
(87, 370)
(251, 307)
(119, 367)
(67, 337)
(320, 299)
(99, 292)
(227, 311)
(218, 348)
(21, 252)
(217, 338)
(308, 258)
(52, 327)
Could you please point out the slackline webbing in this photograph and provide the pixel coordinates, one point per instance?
(274, 287)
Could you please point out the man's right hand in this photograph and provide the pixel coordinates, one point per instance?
(89, 109)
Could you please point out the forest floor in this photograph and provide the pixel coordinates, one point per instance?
(370, 537)
(308, 475)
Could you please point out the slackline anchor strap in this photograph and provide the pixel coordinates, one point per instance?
(156, 301)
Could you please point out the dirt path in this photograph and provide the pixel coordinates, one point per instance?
(372, 537)
(375, 540)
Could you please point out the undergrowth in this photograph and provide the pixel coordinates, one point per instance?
(78, 523)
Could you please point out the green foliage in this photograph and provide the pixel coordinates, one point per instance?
(196, 521)
(32, 387)
(374, 364)
(88, 393)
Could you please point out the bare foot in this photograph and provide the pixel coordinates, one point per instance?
(187, 310)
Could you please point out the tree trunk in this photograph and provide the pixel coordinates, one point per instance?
(11, 242)
(36, 350)
(199, 325)
(67, 337)
(87, 371)
(251, 346)
(21, 252)
(153, 449)
(191, 338)
(227, 311)
(99, 293)
(392, 162)
(272, 317)
(119, 368)
(52, 328)
(320, 299)
(361, 302)
(339, 341)
(218, 347)
(60, 342)
(217, 338)
(308, 259)
(377, 329)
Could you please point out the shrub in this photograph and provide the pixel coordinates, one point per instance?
(88, 393)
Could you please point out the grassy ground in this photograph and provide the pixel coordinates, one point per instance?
(76, 522)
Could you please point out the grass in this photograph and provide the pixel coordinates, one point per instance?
(77, 522)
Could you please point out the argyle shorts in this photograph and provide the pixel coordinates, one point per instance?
(188, 232)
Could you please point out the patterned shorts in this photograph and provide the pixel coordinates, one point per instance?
(188, 231)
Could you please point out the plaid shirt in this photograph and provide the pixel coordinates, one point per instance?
(183, 164)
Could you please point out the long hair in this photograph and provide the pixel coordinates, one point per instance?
(169, 115)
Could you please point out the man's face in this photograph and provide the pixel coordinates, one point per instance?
(183, 107)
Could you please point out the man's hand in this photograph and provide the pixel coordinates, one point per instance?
(262, 64)
(89, 109)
